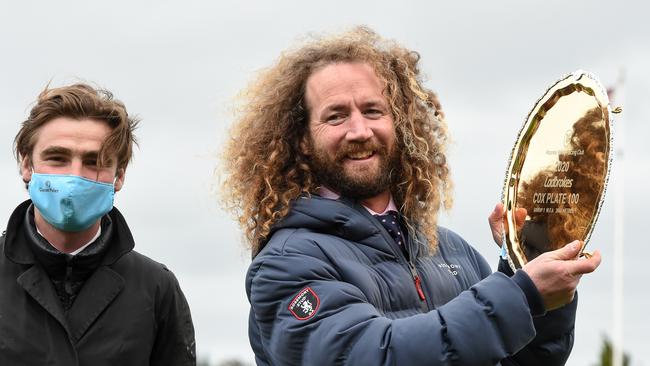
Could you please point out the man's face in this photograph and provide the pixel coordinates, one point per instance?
(351, 132)
(71, 147)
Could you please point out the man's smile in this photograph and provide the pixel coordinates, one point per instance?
(360, 155)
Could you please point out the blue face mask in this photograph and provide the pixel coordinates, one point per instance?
(70, 203)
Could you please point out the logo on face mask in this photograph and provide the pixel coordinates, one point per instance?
(48, 188)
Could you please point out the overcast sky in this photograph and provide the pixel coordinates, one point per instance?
(179, 65)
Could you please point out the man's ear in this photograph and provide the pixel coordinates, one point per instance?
(26, 169)
(119, 179)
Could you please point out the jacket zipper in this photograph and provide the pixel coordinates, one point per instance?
(414, 273)
(416, 278)
(417, 281)
(424, 306)
(67, 282)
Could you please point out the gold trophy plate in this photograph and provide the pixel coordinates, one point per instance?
(558, 170)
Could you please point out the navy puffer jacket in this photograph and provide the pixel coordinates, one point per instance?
(331, 287)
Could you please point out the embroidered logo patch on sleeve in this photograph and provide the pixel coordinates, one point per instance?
(305, 304)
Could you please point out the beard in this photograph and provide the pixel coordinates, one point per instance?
(355, 182)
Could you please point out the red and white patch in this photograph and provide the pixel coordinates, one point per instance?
(305, 304)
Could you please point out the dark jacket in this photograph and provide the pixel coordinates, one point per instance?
(332, 287)
(130, 311)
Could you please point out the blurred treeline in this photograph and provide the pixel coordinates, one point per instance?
(230, 362)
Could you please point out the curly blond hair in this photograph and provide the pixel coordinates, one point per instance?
(264, 164)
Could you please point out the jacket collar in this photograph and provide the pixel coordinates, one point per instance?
(54, 262)
(99, 290)
(17, 248)
(342, 217)
(346, 218)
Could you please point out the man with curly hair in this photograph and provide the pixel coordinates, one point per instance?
(337, 171)
(72, 289)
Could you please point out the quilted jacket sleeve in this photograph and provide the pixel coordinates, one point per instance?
(554, 335)
(481, 326)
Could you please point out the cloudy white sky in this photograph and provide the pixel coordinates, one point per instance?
(179, 64)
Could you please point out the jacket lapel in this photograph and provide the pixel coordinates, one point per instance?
(39, 287)
(97, 293)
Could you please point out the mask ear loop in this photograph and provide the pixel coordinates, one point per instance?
(117, 175)
(31, 166)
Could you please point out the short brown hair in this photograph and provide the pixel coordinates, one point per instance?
(265, 168)
(81, 101)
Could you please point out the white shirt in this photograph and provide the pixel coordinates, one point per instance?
(99, 232)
